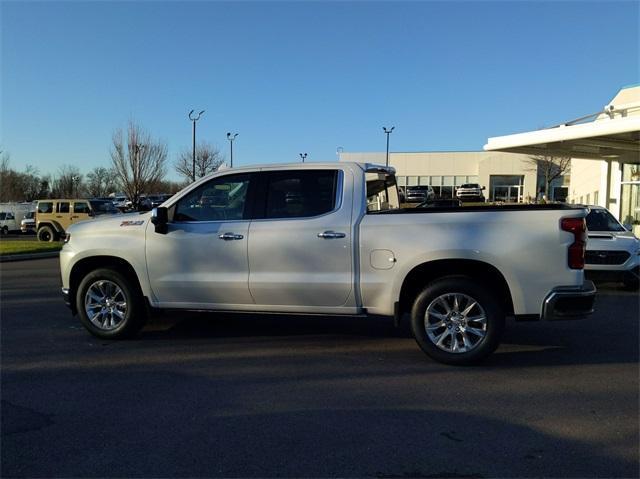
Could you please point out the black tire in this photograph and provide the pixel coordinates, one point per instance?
(46, 234)
(465, 287)
(135, 315)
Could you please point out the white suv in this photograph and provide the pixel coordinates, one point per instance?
(613, 252)
(470, 192)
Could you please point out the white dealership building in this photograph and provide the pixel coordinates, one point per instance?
(605, 165)
(506, 176)
(605, 151)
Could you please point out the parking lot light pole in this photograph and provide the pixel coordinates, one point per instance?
(231, 137)
(194, 118)
(303, 156)
(388, 132)
(74, 182)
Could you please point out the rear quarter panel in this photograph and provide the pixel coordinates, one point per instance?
(527, 247)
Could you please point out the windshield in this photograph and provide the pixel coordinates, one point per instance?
(103, 207)
(470, 185)
(602, 220)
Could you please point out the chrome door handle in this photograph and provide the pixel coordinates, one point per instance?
(331, 234)
(230, 236)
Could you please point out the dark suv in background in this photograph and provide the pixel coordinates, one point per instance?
(419, 194)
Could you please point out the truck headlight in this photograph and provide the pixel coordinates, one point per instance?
(67, 238)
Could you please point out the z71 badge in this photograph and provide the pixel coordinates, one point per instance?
(132, 223)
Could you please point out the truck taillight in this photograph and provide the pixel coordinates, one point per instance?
(578, 227)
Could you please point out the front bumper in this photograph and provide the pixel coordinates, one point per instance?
(66, 297)
(569, 303)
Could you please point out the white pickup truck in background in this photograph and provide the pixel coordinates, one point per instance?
(470, 192)
(330, 239)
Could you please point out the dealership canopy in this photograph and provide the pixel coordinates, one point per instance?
(610, 134)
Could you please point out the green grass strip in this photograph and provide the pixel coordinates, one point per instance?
(27, 247)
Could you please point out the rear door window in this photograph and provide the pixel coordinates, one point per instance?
(300, 193)
(63, 207)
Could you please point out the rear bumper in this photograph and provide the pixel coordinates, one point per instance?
(569, 303)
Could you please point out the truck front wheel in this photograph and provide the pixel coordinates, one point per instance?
(457, 321)
(110, 305)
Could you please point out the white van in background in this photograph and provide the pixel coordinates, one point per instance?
(11, 214)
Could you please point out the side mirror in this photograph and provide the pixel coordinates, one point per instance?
(484, 187)
(628, 226)
(160, 218)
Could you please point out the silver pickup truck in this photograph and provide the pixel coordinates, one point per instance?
(330, 239)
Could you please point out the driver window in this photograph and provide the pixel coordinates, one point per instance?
(221, 199)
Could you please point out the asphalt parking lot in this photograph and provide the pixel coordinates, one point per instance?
(242, 396)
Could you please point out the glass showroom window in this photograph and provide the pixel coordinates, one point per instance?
(412, 181)
(447, 187)
(436, 182)
(424, 180)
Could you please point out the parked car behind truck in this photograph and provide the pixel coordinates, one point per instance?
(613, 252)
(344, 247)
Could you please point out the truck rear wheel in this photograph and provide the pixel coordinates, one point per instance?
(46, 234)
(110, 305)
(456, 321)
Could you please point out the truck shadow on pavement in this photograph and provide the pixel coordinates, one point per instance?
(609, 336)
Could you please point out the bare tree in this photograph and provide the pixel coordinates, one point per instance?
(549, 168)
(208, 160)
(17, 186)
(140, 163)
(31, 183)
(101, 182)
(68, 183)
(7, 178)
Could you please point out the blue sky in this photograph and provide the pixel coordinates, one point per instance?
(303, 76)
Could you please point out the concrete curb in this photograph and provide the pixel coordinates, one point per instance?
(23, 257)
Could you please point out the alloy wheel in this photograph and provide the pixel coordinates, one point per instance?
(455, 322)
(105, 304)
